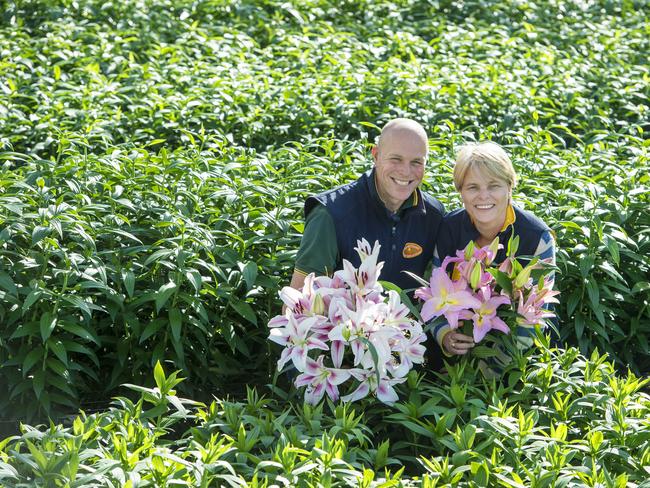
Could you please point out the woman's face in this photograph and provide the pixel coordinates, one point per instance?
(485, 198)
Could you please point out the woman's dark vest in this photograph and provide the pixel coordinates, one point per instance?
(457, 231)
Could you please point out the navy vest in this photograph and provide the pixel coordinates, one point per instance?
(457, 231)
(358, 212)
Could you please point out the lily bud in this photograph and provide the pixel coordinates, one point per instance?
(494, 248)
(469, 250)
(506, 266)
(475, 276)
(318, 305)
(523, 277)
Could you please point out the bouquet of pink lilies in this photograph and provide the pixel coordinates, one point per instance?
(347, 329)
(486, 294)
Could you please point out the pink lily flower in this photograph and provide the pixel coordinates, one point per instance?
(383, 339)
(368, 384)
(485, 316)
(330, 288)
(320, 380)
(296, 340)
(397, 312)
(278, 321)
(363, 280)
(445, 297)
(410, 351)
(355, 325)
(306, 302)
(506, 266)
(487, 253)
(532, 310)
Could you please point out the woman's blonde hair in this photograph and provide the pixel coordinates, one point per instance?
(487, 157)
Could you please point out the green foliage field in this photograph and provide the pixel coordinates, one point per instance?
(155, 158)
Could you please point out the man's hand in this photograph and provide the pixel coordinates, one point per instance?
(297, 281)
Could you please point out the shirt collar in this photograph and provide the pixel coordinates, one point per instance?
(511, 217)
(415, 200)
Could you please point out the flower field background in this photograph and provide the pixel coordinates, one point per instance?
(155, 158)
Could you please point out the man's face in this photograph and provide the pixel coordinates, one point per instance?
(400, 159)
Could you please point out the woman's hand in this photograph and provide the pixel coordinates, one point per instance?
(457, 343)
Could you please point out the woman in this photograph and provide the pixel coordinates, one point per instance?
(484, 176)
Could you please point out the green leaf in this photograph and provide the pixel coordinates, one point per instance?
(513, 245)
(586, 263)
(176, 322)
(128, 278)
(194, 277)
(40, 232)
(593, 293)
(502, 279)
(38, 456)
(6, 283)
(31, 298)
(159, 376)
(163, 294)
(613, 248)
(7, 470)
(573, 300)
(249, 272)
(579, 325)
(80, 331)
(244, 309)
(640, 287)
(151, 329)
(155, 411)
(59, 351)
(47, 324)
(483, 352)
(160, 254)
(26, 329)
(32, 357)
(79, 303)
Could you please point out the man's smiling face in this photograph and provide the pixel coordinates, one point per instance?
(400, 159)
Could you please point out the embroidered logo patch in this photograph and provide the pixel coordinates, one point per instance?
(411, 250)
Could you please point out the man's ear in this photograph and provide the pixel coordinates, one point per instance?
(375, 152)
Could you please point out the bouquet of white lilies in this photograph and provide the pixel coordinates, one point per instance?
(347, 329)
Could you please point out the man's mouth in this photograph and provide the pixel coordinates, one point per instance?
(401, 182)
(485, 207)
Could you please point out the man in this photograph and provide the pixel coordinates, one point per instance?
(384, 204)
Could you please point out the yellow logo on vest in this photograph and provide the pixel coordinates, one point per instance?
(411, 250)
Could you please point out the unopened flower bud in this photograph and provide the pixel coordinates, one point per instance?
(494, 248)
(318, 306)
(469, 250)
(475, 276)
(523, 277)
